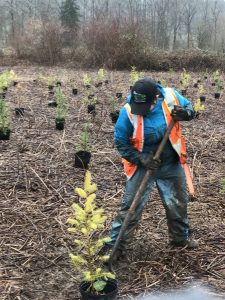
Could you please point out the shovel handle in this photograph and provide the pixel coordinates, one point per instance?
(140, 192)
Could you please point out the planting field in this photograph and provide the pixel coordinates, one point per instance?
(37, 180)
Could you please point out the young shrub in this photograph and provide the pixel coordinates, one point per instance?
(86, 223)
(4, 118)
(185, 79)
(134, 75)
(101, 75)
(84, 143)
(198, 107)
(222, 182)
(61, 108)
(86, 80)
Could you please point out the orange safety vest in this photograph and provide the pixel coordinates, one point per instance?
(137, 140)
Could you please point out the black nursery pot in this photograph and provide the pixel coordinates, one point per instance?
(59, 124)
(184, 92)
(109, 293)
(98, 84)
(19, 111)
(4, 136)
(119, 95)
(75, 91)
(114, 116)
(202, 98)
(217, 95)
(2, 95)
(52, 103)
(91, 108)
(82, 159)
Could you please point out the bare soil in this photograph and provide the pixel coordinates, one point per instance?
(37, 180)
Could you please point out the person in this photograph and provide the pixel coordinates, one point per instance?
(140, 127)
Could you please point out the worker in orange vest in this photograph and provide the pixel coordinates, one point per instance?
(140, 127)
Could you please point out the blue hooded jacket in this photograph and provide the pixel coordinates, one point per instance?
(154, 129)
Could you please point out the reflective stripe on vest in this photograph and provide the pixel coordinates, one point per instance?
(176, 139)
(137, 140)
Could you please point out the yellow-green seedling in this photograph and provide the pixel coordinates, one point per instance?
(87, 223)
(4, 117)
(101, 75)
(222, 183)
(61, 101)
(134, 75)
(216, 75)
(201, 89)
(6, 78)
(185, 79)
(86, 80)
(84, 143)
(198, 106)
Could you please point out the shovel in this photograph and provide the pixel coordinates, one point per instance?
(139, 194)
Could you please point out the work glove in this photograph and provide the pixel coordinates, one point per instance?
(146, 161)
(181, 114)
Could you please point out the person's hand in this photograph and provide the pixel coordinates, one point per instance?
(147, 161)
(180, 114)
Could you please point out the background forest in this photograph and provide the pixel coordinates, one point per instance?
(146, 33)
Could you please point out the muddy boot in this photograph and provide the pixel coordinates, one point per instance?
(189, 244)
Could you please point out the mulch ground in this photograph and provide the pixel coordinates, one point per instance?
(37, 180)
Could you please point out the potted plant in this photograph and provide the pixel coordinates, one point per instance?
(50, 81)
(91, 102)
(201, 92)
(87, 223)
(19, 110)
(61, 109)
(185, 79)
(83, 150)
(4, 121)
(100, 77)
(218, 86)
(198, 107)
(87, 81)
(114, 114)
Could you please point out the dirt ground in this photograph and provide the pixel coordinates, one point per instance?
(37, 180)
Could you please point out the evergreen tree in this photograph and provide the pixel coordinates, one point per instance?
(69, 14)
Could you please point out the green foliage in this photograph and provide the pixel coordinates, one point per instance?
(113, 103)
(201, 89)
(50, 80)
(163, 82)
(134, 75)
(87, 222)
(84, 143)
(69, 14)
(61, 108)
(101, 75)
(216, 75)
(222, 182)
(86, 79)
(6, 78)
(185, 79)
(198, 106)
(4, 117)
